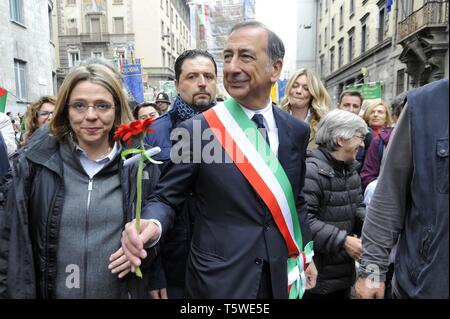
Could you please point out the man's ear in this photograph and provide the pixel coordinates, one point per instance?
(277, 66)
(176, 84)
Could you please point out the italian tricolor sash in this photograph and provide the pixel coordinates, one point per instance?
(249, 151)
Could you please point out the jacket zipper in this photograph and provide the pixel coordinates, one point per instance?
(86, 237)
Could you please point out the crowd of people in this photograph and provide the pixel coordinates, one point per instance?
(249, 200)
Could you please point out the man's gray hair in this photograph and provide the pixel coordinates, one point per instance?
(339, 123)
(275, 46)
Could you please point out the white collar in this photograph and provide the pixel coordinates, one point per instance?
(110, 156)
(266, 112)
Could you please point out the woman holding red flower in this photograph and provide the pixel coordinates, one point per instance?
(71, 195)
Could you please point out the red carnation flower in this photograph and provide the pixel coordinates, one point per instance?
(133, 131)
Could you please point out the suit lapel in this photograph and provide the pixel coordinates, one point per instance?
(284, 136)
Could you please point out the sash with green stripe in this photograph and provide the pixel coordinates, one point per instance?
(252, 155)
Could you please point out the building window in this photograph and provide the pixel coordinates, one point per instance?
(163, 57)
(351, 46)
(341, 52)
(50, 24)
(171, 15)
(16, 10)
(118, 25)
(320, 9)
(341, 17)
(97, 54)
(332, 28)
(95, 28)
(400, 81)
(381, 26)
(331, 59)
(71, 2)
(118, 2)
(320, 42)
(172, 41)
(74, 58)
(406, 9)
(168, 38)
(322, 65)
(72, 26)
(162, 29)
(364, 37)
(167, 8)
(352, 8)
(120, 54)
(21, 82)
(325, 37)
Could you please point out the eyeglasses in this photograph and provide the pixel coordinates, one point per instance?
(101, 107)
(44, 113)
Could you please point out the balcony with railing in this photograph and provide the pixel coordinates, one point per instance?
(433, 13)
(161, 72)
(94, 37)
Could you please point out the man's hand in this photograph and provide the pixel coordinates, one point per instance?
(133, 243)
(158, 294)
(367, 289)
(311, 275)
(119, 263)
(353, 247)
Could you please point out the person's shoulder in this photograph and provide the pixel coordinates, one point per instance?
(163, 121)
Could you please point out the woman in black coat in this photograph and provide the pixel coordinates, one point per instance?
(335, 202)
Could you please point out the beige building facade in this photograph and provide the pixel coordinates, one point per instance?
(361, 42)
(155, 32)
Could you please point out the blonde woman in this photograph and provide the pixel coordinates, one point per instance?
(377, 117)
(307, 99)
(38, 114)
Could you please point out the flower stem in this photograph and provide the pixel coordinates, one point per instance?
(139, 204)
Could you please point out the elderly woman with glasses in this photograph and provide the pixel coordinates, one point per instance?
(38, 114)
(71, 196)
(335, 202)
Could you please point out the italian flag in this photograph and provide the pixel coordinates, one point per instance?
(3, 94)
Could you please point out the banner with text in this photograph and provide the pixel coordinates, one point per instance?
(132, 77)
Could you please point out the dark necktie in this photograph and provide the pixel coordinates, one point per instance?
(259, 121)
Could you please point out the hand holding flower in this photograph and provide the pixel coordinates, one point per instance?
(133, 242)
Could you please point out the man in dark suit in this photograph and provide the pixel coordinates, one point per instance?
(238, 249)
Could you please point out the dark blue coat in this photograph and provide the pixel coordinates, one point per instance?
(163, 126)
(175, 246)
(233, 229)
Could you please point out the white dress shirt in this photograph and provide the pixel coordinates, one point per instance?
(269, 123)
